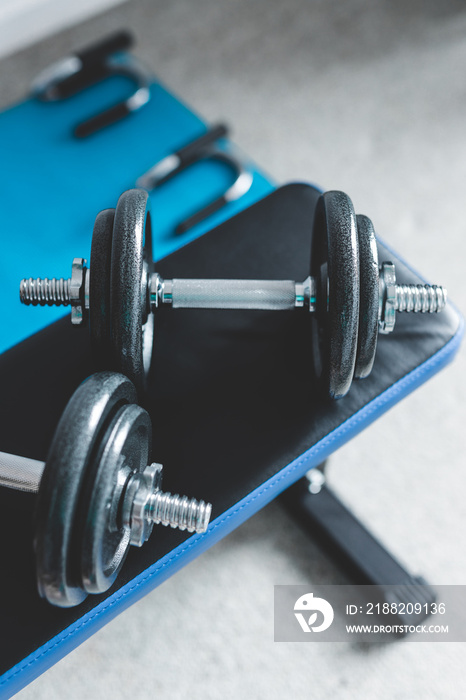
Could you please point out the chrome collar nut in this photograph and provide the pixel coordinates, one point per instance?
(79, 291)
(136, 504)
(387, 297)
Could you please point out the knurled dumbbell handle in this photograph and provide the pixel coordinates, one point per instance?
(268, 295)
(20, 473)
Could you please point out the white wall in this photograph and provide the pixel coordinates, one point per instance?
(22, 22)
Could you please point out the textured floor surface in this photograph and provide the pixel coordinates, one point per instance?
(382, 85)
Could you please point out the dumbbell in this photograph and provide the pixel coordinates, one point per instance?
(96, 493)
(348, 296)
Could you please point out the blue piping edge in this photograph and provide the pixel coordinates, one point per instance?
(44, 657)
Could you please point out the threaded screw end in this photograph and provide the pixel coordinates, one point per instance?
(179, 511)
(423, 298)
(45, 292)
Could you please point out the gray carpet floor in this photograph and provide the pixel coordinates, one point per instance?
(369, 98)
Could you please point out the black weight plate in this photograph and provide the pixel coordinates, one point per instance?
(105, 542)
(368, 297)
(99, 289)
(132, 334)
(335, 267)
(74, 444)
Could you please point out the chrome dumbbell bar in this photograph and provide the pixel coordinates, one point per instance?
(266, 295)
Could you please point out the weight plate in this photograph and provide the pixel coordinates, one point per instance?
(58, 507)
(132, 334)
(368, 298)
(99, 288)
(105, 542)
(335, 267)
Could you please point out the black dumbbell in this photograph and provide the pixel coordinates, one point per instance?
(96, 493)
(348, 296)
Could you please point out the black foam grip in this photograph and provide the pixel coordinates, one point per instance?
(100, 121)
(200, 215)
(79, 81)
(98, 52)
(193, 149)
